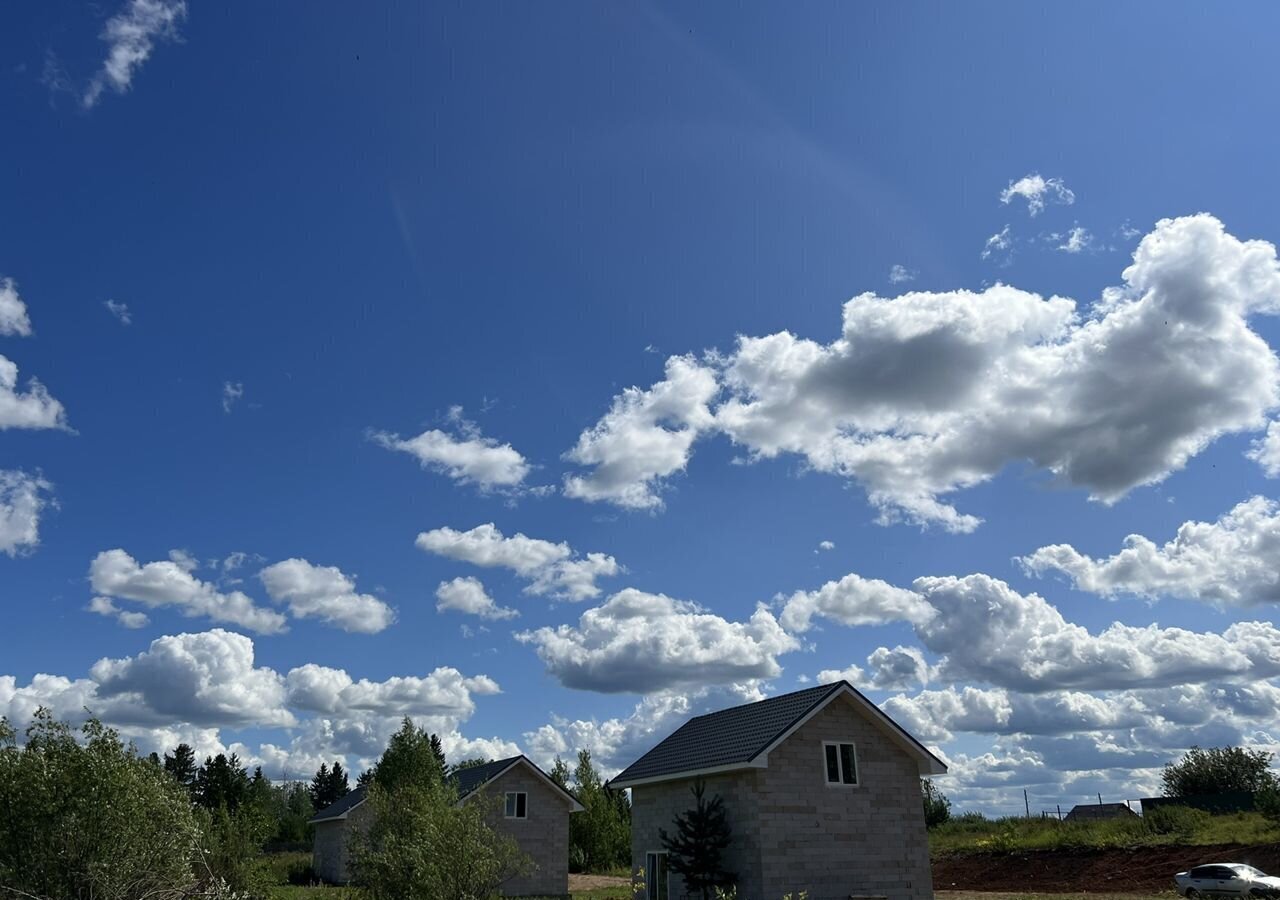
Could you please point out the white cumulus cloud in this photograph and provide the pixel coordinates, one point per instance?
(467, 458)
(467, 595)
(325, 593)
(23, 498)
(13, 312)
(551, 569)
(639, 643)
(165, 583)
(1230, 562)
(34, 409)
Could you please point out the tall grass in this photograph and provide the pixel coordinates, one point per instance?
(971, 832)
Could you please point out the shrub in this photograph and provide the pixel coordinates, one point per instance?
(1179, 821)
(937, 808)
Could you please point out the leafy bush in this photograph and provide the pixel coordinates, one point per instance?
(1180, 821)
(93, 819)
(937, 808)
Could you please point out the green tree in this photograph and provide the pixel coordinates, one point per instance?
(291, 812)
(181, 764)
(937, 808)
(89, 818)
(560, 773)
(221, 781)
(472, 763)
(1218, 770)
(600, 835)
(421, 842)
(696, 852)
(411, 757)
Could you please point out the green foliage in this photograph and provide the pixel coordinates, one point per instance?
(600, 835)
(937, 808)
(971, 832)
(422, 843)
(181, 765)
(328, 786)
(1218, 770)
(90, 818)
(412, 757)
(1181, 821)
(1267, 803)
(697, 850)
(221, 781)
(291, 809)
(472, 763)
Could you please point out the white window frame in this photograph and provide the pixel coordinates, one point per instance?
(857, 766)
(507, 804)
(651, 890)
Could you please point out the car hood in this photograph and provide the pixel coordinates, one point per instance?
(1270, 881)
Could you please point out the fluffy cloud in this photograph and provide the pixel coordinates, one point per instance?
(1265, 451)
(1230, 562)
(22, 500)
(114, 573)
(35, 408)
(986, 631)
(638, 642)
(1037, 190)
(896, 669)
(445, 693)
(104, 606)
(645, 437)
(853, 600)
(551, 569)
(204, 679)
(131, 35)
(926, 394)
(325, 593)
(470, 458)
(467, 595)
(13, 312)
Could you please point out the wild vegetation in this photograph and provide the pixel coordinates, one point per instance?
(600, 835)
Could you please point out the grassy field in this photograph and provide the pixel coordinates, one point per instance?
(967, 834)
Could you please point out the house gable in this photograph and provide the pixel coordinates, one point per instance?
(744, 736)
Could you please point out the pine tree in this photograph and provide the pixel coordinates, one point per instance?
(560, 773)
(410, 758)
(697, 850)
(221, 781)
(181, 764)
(338, 785)
(437, 750)
(319, 789)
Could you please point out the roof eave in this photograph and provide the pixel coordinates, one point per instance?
(622, 783)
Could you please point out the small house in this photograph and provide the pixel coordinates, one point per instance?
(821, 790)
(534, 810)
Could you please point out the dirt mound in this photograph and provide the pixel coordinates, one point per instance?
(1066, 871)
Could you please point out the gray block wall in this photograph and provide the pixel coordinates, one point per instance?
(331, 852)
(794, 833)
(543, 835)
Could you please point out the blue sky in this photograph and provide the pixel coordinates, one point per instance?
(595, 261)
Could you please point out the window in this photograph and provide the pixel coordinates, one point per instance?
(842, 763)
(656, 876)
(517, 805)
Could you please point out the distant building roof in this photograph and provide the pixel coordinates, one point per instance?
(739, 736)
(466, 780)
(339, 808)
(1099, 811)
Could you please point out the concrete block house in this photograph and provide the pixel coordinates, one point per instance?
(534, 811)
(822, 791)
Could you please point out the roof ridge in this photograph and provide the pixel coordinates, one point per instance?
(830, 686)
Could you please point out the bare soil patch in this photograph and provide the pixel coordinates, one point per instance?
(1140, 870)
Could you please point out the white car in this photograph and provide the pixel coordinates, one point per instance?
(1226, 879)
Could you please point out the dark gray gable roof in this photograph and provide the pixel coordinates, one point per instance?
(728, 737)
(340, 807)
(471, 778)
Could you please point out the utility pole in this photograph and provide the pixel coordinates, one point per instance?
(1099, 799)
(1026, 802)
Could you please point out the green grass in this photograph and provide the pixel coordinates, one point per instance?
(1010, 895)
(973, 834)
